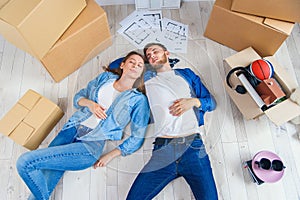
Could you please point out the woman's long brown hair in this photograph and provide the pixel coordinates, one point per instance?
(139, 83)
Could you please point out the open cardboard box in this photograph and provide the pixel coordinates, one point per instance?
(87, 36)
(30, 120)
(35, 25)
(287, 10)
(239, 31)
(279, 113)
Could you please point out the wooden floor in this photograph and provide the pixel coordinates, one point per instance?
(230, 140)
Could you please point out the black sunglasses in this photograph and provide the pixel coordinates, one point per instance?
(266, 164)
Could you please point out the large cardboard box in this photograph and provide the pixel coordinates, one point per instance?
(87, 36)
(30, 120)
(3, 2)
(279, 113)
(287, 10)
(239, 31)
(35, 25)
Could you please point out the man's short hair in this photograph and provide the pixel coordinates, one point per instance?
(152, 44)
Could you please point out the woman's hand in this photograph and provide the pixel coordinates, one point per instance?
(96, 109)
(182, 105)
(105, 159)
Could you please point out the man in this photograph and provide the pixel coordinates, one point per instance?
(178, 101)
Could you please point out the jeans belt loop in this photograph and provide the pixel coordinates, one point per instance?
(182, 141)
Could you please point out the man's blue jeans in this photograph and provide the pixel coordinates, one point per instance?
(42, 169)
(173, 160)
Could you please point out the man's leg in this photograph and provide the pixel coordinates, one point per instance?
(157, 173)
(147, 185)
(195, 167)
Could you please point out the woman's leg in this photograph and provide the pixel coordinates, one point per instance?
(31, 165)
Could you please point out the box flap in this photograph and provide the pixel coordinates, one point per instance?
(286, 10)
(15, 11)
(226, 4)
(41, 133)
(21, 133)
(283, 26)
(11, 120)
(29, 99)
(43, 20)
(252, 18)
(40, 113)
(90, 13)
(242, 58)
(283, 112)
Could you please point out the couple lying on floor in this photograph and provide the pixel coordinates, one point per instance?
(178, 102)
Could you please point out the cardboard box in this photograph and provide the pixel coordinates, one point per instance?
(35, 25)
(279, 113)
(30, 120)
(87, 36)
(3, 2)
(239, 31)
(287, 10)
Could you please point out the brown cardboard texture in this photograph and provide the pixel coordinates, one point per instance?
(279, 113)
(3, 2)
(87, 36)
(30, 120)
(35, 25)
(287, 10)
(239, 31)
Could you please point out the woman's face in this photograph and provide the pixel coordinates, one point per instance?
(133, 66)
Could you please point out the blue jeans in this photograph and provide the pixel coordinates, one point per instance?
(173, 160)
(42, 169)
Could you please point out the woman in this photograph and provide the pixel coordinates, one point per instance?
(105, 107)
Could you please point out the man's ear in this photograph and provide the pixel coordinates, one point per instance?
(167, 53)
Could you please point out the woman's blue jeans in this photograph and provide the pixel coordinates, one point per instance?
(173, 160)
(42, 169)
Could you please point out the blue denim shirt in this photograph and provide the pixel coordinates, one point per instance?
(198, 90)
(130, 105)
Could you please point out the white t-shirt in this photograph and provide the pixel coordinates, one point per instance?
(162, 91)
(106, 96)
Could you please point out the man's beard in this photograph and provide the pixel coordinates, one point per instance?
(160, 63)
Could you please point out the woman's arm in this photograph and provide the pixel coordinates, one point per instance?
(95, 108)
(88, 90)
(105, 159)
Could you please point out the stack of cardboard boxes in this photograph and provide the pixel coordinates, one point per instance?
(256, 29)
(63, 35)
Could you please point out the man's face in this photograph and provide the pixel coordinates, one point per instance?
(156, 56)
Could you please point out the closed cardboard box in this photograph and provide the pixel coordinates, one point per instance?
(287, 10)
(35, 25)
(30, 120)
(239, 31)
(87, 36)
(280, 113)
